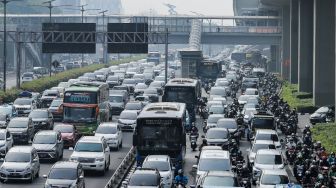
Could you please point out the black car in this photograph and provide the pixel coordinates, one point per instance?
(22, 129)
(42, 119)
(323, 115)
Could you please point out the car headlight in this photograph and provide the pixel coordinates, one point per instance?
(74, 159)
(2, 169)
(44, 123)
(100, 159)
(2, 145)
(28, 169)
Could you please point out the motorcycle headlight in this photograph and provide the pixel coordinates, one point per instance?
(99, 159)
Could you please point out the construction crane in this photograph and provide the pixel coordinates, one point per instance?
(171, 7)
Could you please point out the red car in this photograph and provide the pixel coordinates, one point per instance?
(69, 134)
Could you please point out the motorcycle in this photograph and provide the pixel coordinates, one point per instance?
(299, 172)
(193, 141)
(246, 183)
(291, 155)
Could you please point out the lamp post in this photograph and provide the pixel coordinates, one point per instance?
(105, 39)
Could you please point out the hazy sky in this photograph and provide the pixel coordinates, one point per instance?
(206, 7)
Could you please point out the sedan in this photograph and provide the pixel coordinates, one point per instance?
(139, 89)
(323, 114)
(218, 179)
(218, 137)
(69, 134)
(127, 120)
(159, 85)
(152, 94)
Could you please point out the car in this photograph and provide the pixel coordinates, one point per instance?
(9, 110)
(217, 109)
(6, 142)
(271, 178)
(270, 135)
(212, 102)
(48, 96)
(65, 174)
(56, 109)
(113, 81)
(112, 134)
(24, 106)
(251, 91)
(218, 179)
(91, 76)
(212, 120)
(93, 153)
(4, 120)
(146, 178)
(22, 129)
(161, 78)
(163, 164)
(212, 160)
(144, 99)
(127, 120)
(242, 99)
(20, 163)
(158, 85)
(61, 90)
(27, 77)
(218, 92)
(218, 137)
(135, 105)
(139, 89)
(266, 159)
(130, 83)
(257, 145)
(152, 94)
(322, 115)
(69, 134)
(42, 119)
(117, 103)
(49, 145)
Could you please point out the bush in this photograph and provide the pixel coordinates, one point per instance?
(303, 104)
(325, 132)
(39, 85)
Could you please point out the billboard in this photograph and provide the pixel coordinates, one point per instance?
(135, 41)
(68, 39)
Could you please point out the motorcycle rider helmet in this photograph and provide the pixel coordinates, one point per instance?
(180, 172)
(239, 153)
(320, 177)
(318, 143)
(333, 167)
(291, 140)
(307, 173)
(307, 126)
(204, 142)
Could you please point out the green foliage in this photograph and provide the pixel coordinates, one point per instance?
(9, 96)
(325, 132)
(303, 102)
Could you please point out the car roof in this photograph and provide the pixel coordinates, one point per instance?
(216, 115)
(46, 132)
(40, 110)
(93, 139)
(263, 142)
(215, 154)
(220, 173)
(129, 111)
(21, 119)
(218, 129)
(227, 120)
(66, 164)
(211, 148)
(268, 152)
(108, 124)
(163, 158)
(266, 131)
(145, 171)
(3, 130)
(22, 149)
(275, 172)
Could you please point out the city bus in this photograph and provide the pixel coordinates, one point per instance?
(154, 57)
(183, 90)
(84, 105)
(160, 131)
(209, 69)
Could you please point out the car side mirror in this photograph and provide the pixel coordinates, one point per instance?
(45, 176)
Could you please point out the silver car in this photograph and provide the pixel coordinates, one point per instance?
(21, 163)
(6, 142)
(127, 119)
(49, 145)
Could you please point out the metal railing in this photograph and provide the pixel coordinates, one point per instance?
(122, 170)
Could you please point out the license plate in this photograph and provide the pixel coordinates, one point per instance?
(14, 174)
(42, 155)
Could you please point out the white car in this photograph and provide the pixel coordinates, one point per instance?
(93, 153)
(212, 120)
(251, 91)
(112, 134)
(127, 119)
(212, 160)
(163, 164)
(257, 145)
(218, 92)
(270, 178)
(6, 142)
(267, 159)
(270, 135)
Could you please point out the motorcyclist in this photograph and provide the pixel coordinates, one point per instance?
(332, 172)
(306, 180)
(239, 156)
(307, 139)
(298, 162)
(332, 158)
(305, 151)
(181, 179)
(194, 130)
(324, 161)
(314, 169)
(234, 148)
(204, 143)
(306, 129)
(290, 143)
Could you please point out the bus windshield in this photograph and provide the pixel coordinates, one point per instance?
(80, 97)
(180, 94)
(79, 114)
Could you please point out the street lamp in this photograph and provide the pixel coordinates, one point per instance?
(5, 2)
(105, 39)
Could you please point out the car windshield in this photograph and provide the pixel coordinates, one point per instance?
(155, 84)
(22, 101)
(227, 124)
(106, 130)
(209, 164)
(116, 99)
(323, 109)
(159, 165)
(128, 115)
(17, 157)
(217, 91)
(257, 147)
(56, 103)
(269, 179)
(2, 136)
(251, 92)
(18, 124)
(214, 181)
(112, 78)
(150, 91)
(213, 119)
(38, 114)
(133, 106)
(216, 134)
(129, 81)
(216, 109)
(63, 173)
(269, 159)
(243, 98)
(141, 86)
(271, 137)
(64, 128)
(5, 110)
(88, 147)
(44, 139)
(144, 180)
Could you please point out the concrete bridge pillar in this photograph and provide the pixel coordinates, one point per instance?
(324, 52)
(275, 65)
(285, 64)
(294, 9)
(305, 41)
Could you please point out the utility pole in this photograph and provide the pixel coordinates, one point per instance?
(105, 39)
(166, 55)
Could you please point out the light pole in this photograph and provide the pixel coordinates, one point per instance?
(5, 2)
(105, 39)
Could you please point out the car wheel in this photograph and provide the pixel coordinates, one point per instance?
(104, 170)
(31, 178)
(121, 144)
(61, 157)
(2, 181)
(37, 174)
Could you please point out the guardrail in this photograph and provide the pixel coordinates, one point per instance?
(122, 170)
